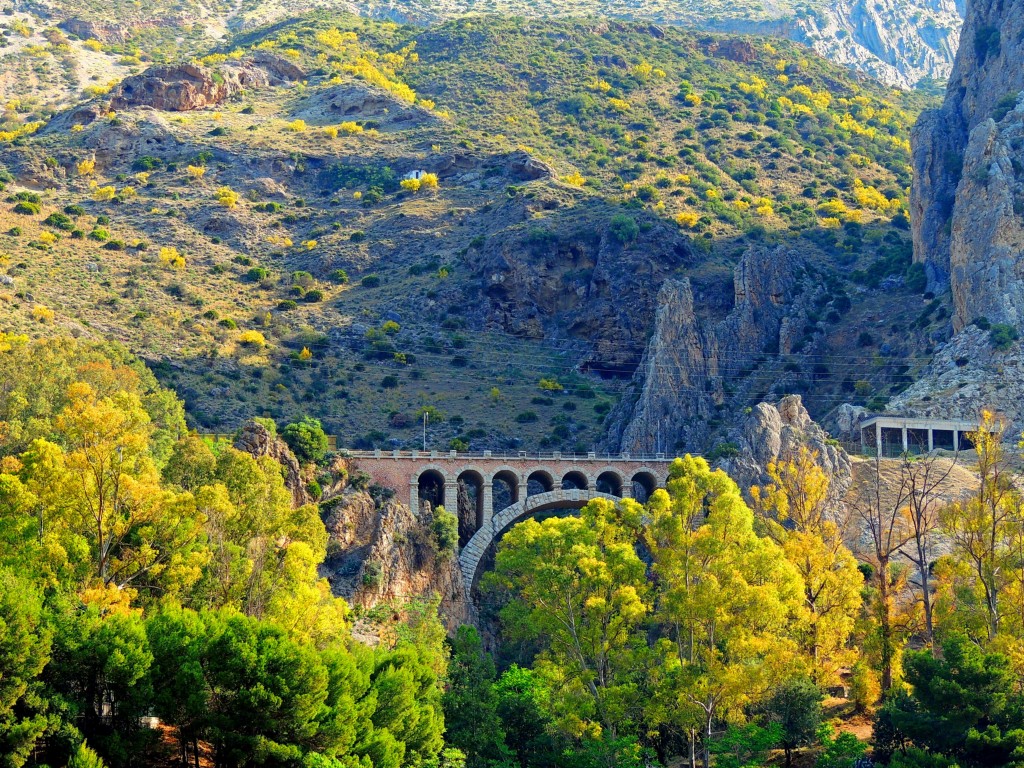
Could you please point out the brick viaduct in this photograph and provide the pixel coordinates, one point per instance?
(505, 489)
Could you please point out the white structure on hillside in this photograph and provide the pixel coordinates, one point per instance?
(892, 435)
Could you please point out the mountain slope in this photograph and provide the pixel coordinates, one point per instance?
(580, 165)
(901, 43)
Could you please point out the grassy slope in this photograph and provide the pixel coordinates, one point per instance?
(497, 86)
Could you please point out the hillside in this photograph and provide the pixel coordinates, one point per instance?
(904, 44)
(242, 224)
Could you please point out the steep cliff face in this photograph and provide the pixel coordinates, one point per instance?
(381, 553)
(898, 45)
(954, 149)
(987, 229)
(575, 275)
(679, 383)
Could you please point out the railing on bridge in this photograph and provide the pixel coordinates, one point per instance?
(507, 455)
(381, 453)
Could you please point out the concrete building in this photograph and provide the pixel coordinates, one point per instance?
(895, 435)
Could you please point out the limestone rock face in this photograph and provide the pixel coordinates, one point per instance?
(678, 385)
(777, 432)
(379, 554)
(986, 72)
(186, 87)
(987, 233)
(679, 375)
(256, 440)
(966, 376)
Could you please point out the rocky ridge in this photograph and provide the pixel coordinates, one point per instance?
(966, 205)
(186, 87)
(678, 386)
(956, 145)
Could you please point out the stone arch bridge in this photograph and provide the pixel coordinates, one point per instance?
(504, 489)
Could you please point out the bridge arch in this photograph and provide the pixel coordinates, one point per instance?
(575, 479)
(506, 488)
(540, 477)
(644, 482)
(473, 553)
(430, 484)
(470, 499)
(610, 481)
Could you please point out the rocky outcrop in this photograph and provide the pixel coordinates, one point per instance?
(570, 272)
(382, 553)
(965, 376)
(187, 87)
(772, 433)
(986, 73)
(679, 381)
(255, 439)
(678, 385)
(888, 40)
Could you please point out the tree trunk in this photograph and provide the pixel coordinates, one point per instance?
(885, 624)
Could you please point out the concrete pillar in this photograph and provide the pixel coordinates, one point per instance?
(956, 439)
(878, 439)
(451, 496)
(414, 498)
(905, 445)
(523, 487)
(488, 504)
(931, 439)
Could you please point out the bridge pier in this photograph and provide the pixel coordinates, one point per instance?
(451, 496)
(488, 505)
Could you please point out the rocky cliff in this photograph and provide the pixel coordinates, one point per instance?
(187, 87)
(678, 386)
(378, 552)
(963, 195)
(774, 432)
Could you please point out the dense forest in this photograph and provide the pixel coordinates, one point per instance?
(161, 602)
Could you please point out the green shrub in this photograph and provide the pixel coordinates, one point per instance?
(526, 417)
(1002, 335)
(370, 281)
(723, 451)
(307, 440)
(624, 228)
(445, 528)
(99, 234)
(257, 274)
(313, 296)
(74, 210)
(339, 276)
(286, 304)
(26, 208)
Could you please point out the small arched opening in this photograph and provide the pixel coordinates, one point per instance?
(574, 480)
(539, 482)
(609, 482)
(471, 504)
(644, 484)
(504, 490)
(431, 488)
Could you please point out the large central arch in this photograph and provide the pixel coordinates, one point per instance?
(473, 553)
